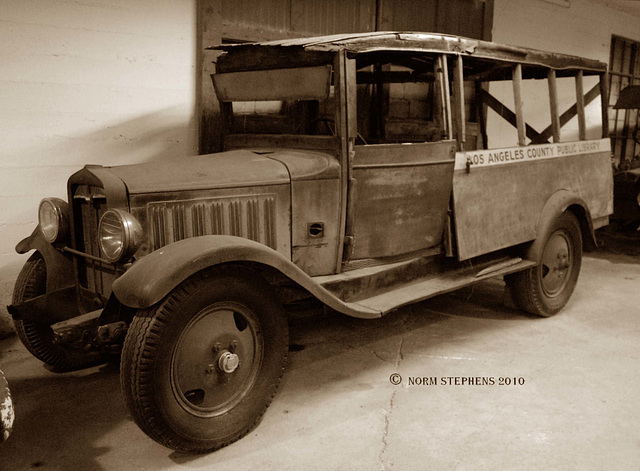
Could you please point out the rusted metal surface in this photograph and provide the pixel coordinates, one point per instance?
(343, 88)
(443, 283)
(259, 213)
(151, 278)
(497, 203)
(252, 217)
(61, 272)
(304, 165)
(401, 197)
(55, 306)
(315, 224)
(224, 170)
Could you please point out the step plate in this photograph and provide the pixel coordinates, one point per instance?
(420, 290)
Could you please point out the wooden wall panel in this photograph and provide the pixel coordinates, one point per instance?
(409, 15)
(310, 17)
(461, 17)
(250, 19)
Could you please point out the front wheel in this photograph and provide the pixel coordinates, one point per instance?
(546, 288)
(40, 339)
(199, 369)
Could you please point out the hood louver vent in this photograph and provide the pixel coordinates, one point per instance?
(251, 217)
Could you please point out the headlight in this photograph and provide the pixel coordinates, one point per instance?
(120, 235)
(53, 217)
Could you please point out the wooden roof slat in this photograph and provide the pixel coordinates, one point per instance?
(429, 42)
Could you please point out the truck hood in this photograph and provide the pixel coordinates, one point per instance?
(232, 169)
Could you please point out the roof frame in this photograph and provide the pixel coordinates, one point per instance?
(428, 42)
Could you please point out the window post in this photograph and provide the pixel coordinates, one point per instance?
(517, 98)
(553, 102)
(459, 102)
(582, 127)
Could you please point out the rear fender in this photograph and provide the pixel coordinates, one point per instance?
(558, 203)
(153, 277)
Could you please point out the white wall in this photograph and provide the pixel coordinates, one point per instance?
(101, 81)
(584, 28)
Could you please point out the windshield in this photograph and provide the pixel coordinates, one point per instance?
(297, 101)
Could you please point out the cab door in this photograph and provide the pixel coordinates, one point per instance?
(401, 176)
(401, 197)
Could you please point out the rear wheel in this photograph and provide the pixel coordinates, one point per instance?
(38, 338)
(199, 369)
(547, 287)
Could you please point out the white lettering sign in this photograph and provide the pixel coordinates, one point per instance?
(486, 158)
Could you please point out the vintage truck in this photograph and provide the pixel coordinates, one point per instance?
(358, 170)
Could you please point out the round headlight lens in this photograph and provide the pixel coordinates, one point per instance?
(120, 235)
(53, 219)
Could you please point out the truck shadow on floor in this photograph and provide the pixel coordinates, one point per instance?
(60, 418)
(617, 246)
(70, 421)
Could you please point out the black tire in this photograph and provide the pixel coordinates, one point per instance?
(546, 288)
(171, 368)
(39, 338)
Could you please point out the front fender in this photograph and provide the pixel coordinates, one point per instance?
(60, 273)
(153, 277)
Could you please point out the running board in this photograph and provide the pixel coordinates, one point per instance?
(418, 290)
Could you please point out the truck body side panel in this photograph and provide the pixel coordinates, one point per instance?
(499, 194)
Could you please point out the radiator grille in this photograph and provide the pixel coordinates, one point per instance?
(251, 217)
(89, 204)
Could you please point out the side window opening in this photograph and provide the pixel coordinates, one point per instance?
(397, 100)
(297, 117)
(505, 104)
(519, 105)
(285, 101)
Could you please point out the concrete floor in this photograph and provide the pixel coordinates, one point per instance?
(579, 406)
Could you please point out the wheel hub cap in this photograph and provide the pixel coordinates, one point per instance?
(216, 359)
(228, 362)
(556, 263)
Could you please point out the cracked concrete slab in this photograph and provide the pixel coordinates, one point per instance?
(337, 408)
